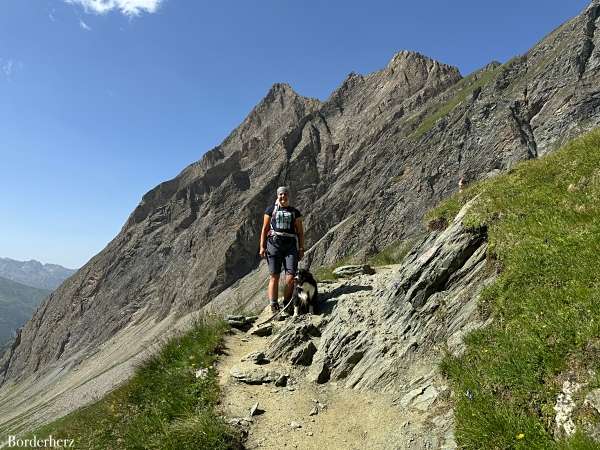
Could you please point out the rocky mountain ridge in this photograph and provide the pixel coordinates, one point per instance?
(365, 165)
(33, 273)
(170, 243)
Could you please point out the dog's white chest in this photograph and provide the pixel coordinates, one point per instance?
(307, 292)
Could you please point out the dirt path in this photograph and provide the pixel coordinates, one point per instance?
(346, 419)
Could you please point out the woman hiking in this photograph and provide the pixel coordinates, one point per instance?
(282, 243)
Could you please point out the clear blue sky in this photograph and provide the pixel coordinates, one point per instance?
(100, 100)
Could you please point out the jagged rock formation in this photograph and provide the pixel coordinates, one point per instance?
(365, 165)
(384, 339)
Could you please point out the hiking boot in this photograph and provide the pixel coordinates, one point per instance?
(275, 308)
(290, 309)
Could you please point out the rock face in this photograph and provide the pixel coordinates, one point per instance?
(364, 166)
(394, 335)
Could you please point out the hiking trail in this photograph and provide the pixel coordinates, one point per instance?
(304, 414)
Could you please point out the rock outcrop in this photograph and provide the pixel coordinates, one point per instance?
(386, 338)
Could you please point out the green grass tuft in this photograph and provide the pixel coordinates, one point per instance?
(392, 254)
(162, 407)
(544, 230)
(325, 273)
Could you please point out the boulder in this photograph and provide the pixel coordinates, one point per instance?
(353, 270)
(296, 332)
(253, 376)
(262, 330)
(256, 358)
(281, 381)
(303, 356)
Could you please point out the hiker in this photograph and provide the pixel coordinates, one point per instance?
(282, 243)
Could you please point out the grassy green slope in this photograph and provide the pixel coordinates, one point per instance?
(17, 303)
(162, 407)
(543, 219)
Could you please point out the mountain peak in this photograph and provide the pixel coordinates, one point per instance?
(283, 93)
(280, 97)
(414, 64)
(283, 88)
(279, 92)
(405, 55)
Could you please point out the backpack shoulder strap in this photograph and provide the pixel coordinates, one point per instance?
(275, 208)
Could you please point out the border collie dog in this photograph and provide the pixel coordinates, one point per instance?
(305, 293)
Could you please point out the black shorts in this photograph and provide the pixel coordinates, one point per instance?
(282, 250)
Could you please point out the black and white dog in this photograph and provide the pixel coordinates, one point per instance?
(306, 296)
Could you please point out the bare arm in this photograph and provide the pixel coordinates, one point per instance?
(263, 235)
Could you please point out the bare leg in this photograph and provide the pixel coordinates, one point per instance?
(273, 291)
(289, 288)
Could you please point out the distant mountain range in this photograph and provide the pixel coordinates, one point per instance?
(33, 273)
(17, 304)
(23, 285)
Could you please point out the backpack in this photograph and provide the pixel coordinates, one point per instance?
(272, 232)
